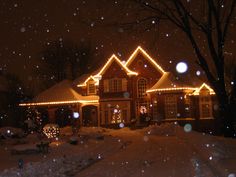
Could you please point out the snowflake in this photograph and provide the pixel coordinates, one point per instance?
(23, 29)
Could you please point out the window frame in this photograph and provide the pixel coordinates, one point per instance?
(142, 87)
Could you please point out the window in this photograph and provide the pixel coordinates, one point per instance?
(170, 107)
(91, 88)
(205, 106)
(115, 112)
(116, 115)
(115, 85)
(142, 87)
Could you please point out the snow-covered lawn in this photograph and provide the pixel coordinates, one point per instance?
(164, 151)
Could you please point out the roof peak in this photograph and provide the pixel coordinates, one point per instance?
(138, 50)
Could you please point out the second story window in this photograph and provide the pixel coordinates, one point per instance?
(115, 85)
(142, 87)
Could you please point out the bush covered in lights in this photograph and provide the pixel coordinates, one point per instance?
(51, 130)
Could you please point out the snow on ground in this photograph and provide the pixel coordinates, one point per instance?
(154, 151)
(7, 132)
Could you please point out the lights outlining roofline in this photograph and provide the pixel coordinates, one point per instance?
(148, 56)
(114, 57)
(99, 75)
(197, 91)
(58, 102)
(171, 89)
(85, 82)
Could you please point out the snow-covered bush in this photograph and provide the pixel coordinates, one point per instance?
(11, 132)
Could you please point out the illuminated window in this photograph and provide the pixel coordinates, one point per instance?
(205, 105)
(116, 115)
(170, 107)
(142, 87)
(91, 88)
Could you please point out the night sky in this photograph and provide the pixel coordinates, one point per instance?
(28, 26)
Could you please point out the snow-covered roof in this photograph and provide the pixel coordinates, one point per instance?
(168, 82)
(80, 80)
(61, 93)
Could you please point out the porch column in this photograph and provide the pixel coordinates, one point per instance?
(51, 115)
(98, 115)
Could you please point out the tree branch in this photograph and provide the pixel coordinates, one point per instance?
(228, 19)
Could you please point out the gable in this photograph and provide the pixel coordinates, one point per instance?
(140, 55)
(114, 70)
(111, 60)
(204, 88)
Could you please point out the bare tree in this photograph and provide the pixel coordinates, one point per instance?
(211, 19)
(64, 60)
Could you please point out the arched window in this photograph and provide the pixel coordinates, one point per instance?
(142, 87)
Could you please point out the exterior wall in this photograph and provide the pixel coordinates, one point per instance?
(114, 71)
(159, 107)
(147, 71)
(195, 106)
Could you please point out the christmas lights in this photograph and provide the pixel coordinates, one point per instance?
(171, 89)
(198, 90)
(51, 130)
(146, 55)
(85, 82)
(108, 63)
(58, 102)
(114, 57)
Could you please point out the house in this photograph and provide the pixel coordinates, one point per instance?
(136, 91)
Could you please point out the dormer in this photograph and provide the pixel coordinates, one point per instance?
(91, 87)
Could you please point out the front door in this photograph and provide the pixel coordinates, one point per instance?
(90, 116)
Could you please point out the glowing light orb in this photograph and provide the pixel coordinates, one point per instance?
(198, 73)
(23, 29)
(121, 125)
(181, 67)
(99, 156)
(231, 175)
(187, 128)
(76, 115)
(145, 138)
(126, 95)
(215, 107)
